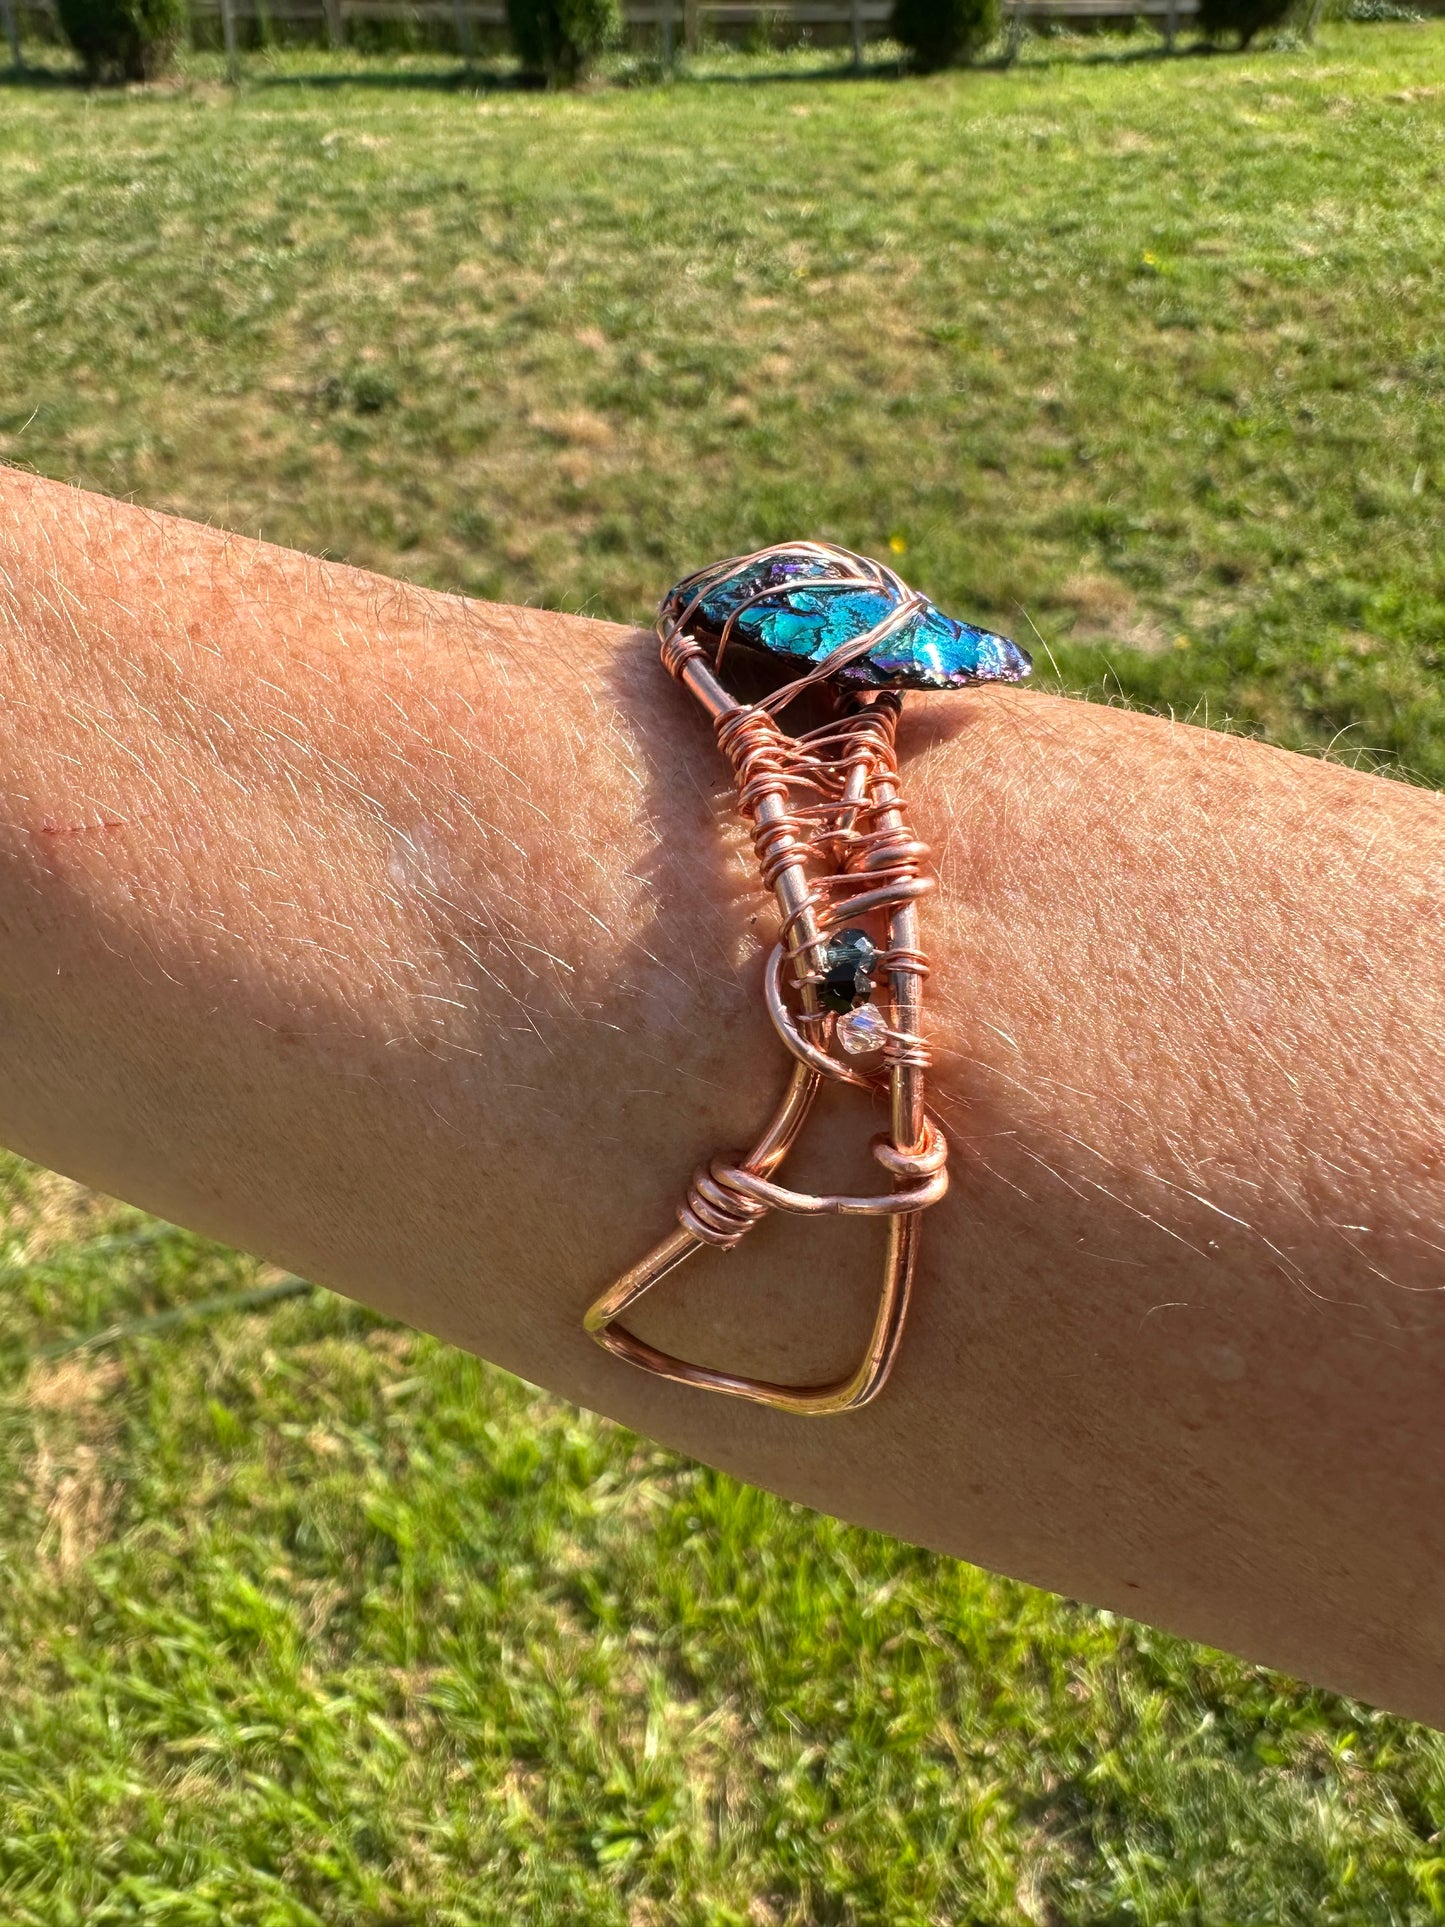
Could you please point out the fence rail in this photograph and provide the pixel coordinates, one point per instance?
(492, 13)
(684, 21)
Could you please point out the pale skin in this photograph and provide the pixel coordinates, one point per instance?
(410, 942)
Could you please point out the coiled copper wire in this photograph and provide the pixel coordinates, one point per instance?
(831, 837)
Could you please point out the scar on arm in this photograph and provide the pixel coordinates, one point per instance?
(49, 827)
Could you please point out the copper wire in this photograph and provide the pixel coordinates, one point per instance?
(832, 842)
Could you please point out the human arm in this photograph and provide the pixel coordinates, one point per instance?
(409, 942)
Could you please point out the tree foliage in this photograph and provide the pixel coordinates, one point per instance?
(943, 33)
(560, 39)
(124, 39)
(1243, 17)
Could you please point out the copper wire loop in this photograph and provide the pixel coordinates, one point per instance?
(832, 842)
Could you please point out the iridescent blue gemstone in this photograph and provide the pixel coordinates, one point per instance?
(801, 603)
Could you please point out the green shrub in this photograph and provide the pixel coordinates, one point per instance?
(560, 39)
(942, 33)
(124, 39)
(1243, 17)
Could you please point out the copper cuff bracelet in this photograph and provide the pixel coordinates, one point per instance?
(830, 829)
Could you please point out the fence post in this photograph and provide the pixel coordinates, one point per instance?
(1015, 33)
(857, 36)
(12, 31)
(228, 31)
(461, 13)
(1171, 24)
(335, 28)
(691, 25)
(669, 52)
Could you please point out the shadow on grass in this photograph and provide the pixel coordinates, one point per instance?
(460, 79)
(453, 80)
(997, 63)
(1128, 57)
(491, 80)
(481, 78)
(41, 79)
(457, 80)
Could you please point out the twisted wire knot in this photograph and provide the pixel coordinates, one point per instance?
(715, 1210)
(725, 1199)
(926, 1161)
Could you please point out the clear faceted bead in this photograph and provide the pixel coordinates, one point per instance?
(861, 1031)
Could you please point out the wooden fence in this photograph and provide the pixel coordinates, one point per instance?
(1167, 15)
(670, 24)
(675, 23)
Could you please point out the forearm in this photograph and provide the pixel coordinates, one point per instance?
(407, 941)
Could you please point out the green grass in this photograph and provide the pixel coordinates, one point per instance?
(1146, 354)
(305, 1619)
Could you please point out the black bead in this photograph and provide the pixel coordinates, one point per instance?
(848, 960)
(839, 990)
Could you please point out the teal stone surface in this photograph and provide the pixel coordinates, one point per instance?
(801, 606)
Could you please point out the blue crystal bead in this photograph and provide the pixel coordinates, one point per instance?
(801, 602)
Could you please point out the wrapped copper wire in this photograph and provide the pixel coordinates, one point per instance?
(833, 845)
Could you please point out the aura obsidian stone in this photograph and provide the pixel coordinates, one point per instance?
(848, 962)
(803, 601)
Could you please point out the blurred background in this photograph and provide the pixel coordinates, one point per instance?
(1132, 350)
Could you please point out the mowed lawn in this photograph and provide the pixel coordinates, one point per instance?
(304, 1618)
